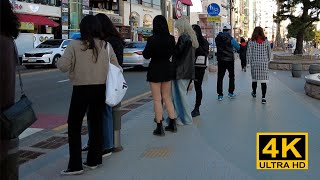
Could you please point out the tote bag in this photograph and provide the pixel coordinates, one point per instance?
(116, 86)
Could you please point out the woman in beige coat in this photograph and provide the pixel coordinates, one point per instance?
(86, 60)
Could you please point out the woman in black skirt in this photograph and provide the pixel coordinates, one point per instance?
(160, 48)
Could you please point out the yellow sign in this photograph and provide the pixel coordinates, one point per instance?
(26, 26)
(214, 19)
(282, 150)
(170, 24)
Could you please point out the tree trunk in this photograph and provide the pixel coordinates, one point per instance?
(299, 44)
(278, 36)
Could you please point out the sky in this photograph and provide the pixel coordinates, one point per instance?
(197, 7)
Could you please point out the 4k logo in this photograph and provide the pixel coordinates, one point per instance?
(282, 151)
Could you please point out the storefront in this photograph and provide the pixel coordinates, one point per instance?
(74, 10)
(38, 19)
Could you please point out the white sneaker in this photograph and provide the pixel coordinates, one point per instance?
(70, 172)
(90, 167)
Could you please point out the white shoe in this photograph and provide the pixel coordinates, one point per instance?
(69, 172)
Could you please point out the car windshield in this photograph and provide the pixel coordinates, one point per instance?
(50, 44)
(136, 45)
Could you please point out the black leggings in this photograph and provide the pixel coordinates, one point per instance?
(199, 73)
(263, 88)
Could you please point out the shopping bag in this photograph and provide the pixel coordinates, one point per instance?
(116, 86)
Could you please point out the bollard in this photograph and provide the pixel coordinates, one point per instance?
(116, 114)
(9, 158)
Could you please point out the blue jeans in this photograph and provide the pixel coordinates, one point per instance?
(107, 130)
(180, 101)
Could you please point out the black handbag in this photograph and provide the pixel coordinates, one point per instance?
(18, 117)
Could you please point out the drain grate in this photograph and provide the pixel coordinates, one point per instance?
(133, 106)
(157, 152)
(144, 100)
(52, 143)
(25, 156)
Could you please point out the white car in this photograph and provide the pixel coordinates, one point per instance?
(47, 53)
(132, 55)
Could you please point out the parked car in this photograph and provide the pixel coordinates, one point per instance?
(132, 55)
(46, 53)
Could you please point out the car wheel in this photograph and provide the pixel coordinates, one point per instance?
(55, 60)
(29, 66)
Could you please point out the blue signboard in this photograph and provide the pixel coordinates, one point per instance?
(213, 9)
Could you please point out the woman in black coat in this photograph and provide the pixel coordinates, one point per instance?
(160, 48)
(201, 51)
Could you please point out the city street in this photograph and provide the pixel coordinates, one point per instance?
(50, 91)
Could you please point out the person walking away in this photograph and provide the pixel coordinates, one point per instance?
(160, 48)
(203, 51)
(225, 56)
(86, 60)
(184, 58)
(111, 35)
(243, 54)
(9, 30)
(259, 55)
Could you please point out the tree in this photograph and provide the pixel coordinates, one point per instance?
(309, 33)
(317, 37)
(301, 20)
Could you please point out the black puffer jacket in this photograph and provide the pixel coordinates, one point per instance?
(184, 58)
(224, 47)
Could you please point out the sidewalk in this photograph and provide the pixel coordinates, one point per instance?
(220, 145)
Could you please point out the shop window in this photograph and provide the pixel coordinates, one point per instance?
(104, 4)
(156, 4)
(147, 3)
(136, 1)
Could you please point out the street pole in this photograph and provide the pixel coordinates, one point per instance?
(231, 8)
(164, 8)
(130, 22)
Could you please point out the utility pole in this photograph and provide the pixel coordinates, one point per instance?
(231, 14)
(131, 23)
(164, 8)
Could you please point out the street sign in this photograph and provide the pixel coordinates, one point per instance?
(214, 19)
(179, 9)
(213, 9)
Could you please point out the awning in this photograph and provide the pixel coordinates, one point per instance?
(187, 2)
(39, 20)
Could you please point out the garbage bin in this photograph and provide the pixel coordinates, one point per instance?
(9, 158)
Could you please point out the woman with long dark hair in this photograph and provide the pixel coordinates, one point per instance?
(9, 24)
(259, 55)
(109, 35)
(160, 48)
(86, 60)
(202, 50)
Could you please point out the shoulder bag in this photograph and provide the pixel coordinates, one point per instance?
(19, 116)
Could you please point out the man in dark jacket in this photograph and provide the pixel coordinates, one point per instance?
(225, 56)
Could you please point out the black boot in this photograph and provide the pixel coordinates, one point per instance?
(172, 125)
(195, 112)
(159, 130)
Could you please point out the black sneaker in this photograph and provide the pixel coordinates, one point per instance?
(85, 164)
(263, 101)
(85, 148)
(107, 152)
(253, 94)
(71, 172)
